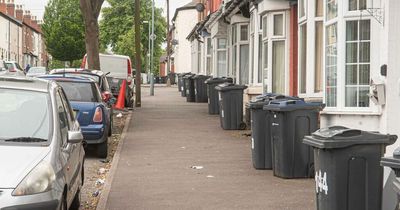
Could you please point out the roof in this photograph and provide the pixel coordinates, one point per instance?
(24, 83)
(189, 6)
(12, 19)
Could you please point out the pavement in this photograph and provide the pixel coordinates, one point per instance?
(166, 137)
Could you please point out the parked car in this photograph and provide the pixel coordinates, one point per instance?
(98, 76)
(91, 111)
(120, 68)
(41, 152)
(14, 69)
(2, 66)
(36, 71)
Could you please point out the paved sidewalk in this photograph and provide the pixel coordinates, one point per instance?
(168, 136)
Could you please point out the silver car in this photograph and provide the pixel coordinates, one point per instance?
(41, 147)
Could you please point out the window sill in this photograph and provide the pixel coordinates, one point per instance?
(366, 113)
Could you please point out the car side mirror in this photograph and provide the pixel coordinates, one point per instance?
(112, 101)
(75, 137)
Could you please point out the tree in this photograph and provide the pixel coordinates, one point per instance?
(91, 11)
(63, 30)
(116, 29)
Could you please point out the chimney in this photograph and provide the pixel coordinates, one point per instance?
(34, 22)
(27, 17)
(19, 13)
(3, 6)
(11, 8)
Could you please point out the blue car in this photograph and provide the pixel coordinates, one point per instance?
(92, 112)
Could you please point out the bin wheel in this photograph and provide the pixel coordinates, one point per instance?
(242, 126)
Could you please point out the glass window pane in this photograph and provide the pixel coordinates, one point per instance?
(351, 75)
(364, 52)
(352, 5)
(278, 25)
(364, 74)
(278, 67)
(221, 64)
(351, 97)
(351, 52)
(303, 58)
(362, 4)
(244, 64)
(264, 27)
(209, 46)
(318, 56)
(252, 22)
(234, 59)
(221, 43)
(365, 30)
(209, 66)
(331, 8)
(351, 30)
(363, 98)
(331, 65)
(234, 31)
(244, 33)
(302, 8)
(265, 55)
(319, 8)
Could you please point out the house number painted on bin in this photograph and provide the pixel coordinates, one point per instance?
(321, 183)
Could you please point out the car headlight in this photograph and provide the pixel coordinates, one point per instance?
(39, 180)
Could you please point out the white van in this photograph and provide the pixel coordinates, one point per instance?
(120, 68)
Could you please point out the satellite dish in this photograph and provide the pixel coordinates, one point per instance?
(200, 7)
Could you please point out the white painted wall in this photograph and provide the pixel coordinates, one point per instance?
(184, 23)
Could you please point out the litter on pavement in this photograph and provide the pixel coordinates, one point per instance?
(197, 167)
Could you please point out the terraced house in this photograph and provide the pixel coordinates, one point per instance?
(344, 53)
(21, 38)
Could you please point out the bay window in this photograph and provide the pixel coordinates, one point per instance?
(331, 65)
(221, 57)
(240, 53)
(209, 56)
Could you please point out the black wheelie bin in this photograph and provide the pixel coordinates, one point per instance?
(213, 101)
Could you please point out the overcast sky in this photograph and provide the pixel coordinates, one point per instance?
(37, 6)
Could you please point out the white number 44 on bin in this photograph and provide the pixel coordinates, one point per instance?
(321, 183)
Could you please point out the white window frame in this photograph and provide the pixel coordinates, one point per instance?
(208, 56)
(238, 44)
(270, 38)
(311, 19)
(341, 20)
(215, 57)
(349, 12)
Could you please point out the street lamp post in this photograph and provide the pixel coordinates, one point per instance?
(152, 37)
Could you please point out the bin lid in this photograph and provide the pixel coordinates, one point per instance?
(260, 101)
(291, 104)
(393, 162)
(218, 80)
(201, 77)
(341, 137)
(189, 76)
(230, 86)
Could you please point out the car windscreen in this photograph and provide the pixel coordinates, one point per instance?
(80, 91)
(9, 65)
(24, 114)
(89, 76)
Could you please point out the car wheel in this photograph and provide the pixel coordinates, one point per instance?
(110, 129)
(76, 203)
(102, 149)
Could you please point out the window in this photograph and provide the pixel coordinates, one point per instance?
(331, 9)
(221, 58)
(244, 64)
(331, 65)
(244, 33)
(63, 119)
(319, 31)
(357, 5)
(260, 67)
(357, 63)
(264, 26)
(319, 8)
(302, 8)
(209, 57)
(278, 25)
(303, 58)
(278, 67)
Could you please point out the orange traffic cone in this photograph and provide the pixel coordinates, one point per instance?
(121, 97)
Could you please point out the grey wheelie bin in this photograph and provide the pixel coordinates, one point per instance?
(291, 121)
(348, 174)
(261, 148)
(213, 101)
(189, 84)
(394, 163)
(231, 106)
(200, 88)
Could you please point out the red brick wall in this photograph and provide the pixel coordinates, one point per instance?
(293, 52)
(162, 70)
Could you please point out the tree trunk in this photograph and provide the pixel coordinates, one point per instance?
(91, 10)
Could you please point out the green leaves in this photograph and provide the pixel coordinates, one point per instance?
(64, 30)
(116, 29)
